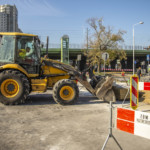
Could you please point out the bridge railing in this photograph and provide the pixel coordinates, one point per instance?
(130, 47)
(82, 46)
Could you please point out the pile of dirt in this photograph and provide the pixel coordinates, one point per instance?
(144, 96)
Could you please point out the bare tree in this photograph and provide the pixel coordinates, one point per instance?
(103, 39)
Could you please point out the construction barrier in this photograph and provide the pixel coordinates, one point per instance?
(127, 120)
(134, 93)
(134, 122)
(122, 70)
(144, 86)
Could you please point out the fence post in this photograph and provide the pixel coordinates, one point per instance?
(110, 129)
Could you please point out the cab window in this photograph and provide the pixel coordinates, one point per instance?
(7, 47)
(25, 50)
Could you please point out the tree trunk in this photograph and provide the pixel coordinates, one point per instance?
(99, 67)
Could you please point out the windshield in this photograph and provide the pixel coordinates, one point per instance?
(7, 46)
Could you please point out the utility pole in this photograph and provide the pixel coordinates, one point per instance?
(87, 38)
(133, 47)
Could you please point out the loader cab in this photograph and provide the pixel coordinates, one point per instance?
(22, 49)
(28, 53)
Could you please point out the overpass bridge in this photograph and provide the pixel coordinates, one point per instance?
(140, 54)
(55, 53)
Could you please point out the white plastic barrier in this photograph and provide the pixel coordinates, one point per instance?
(144, 86)
(134, 122)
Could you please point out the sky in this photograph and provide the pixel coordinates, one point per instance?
(54, 18)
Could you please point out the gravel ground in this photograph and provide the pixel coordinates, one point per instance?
(41, 124)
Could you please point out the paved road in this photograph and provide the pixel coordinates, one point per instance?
(41, 124)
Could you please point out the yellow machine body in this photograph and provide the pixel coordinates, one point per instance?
(37, 84)
(54, 74)
(40, 85)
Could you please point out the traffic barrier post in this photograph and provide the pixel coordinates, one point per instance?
(134, 93)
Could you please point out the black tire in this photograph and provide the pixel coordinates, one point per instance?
(15, 82)
(65, 92)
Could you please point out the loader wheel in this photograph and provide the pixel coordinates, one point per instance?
(65, 92)
(14, 87)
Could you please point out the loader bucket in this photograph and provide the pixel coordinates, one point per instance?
(103, 90)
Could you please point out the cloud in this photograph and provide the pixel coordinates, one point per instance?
(34, 7)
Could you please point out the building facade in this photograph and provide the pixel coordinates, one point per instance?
(8, 18)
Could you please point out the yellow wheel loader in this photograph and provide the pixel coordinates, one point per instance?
(23, 71)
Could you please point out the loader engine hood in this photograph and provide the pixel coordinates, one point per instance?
(56, 64)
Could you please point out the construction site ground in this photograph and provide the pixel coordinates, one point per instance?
(144, 96)
(41, 124)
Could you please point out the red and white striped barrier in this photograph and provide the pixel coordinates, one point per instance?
(125, 70)
(134, 122)
(134, 94)
(144, 86)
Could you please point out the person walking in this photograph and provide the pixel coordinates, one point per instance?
(139, 73)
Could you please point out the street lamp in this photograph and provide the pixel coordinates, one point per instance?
(133, 45)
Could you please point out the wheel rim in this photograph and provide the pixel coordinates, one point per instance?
(67, 93)
(9, 88)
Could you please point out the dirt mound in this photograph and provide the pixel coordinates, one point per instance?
(144, 96)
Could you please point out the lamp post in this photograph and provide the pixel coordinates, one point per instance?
(134, 45)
